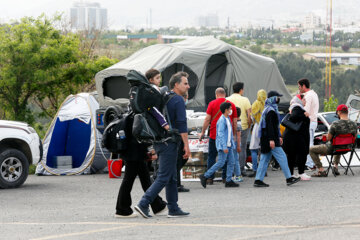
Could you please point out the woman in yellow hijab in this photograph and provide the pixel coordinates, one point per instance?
(256, 111)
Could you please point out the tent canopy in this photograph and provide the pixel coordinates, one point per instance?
(72, 134)
(210, 62)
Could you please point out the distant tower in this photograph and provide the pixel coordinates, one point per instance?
(210, 20)
(228, 23)
(88, 16)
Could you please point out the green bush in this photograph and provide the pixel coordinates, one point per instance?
(331, 104)
(32, 169)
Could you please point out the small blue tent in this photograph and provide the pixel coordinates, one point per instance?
(73, 137)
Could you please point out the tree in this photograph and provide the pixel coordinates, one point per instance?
(256, 49)
(345, 48)
(39, 63)
(293, 67)
(331, 104)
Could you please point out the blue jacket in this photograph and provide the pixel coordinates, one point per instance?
(222, 134)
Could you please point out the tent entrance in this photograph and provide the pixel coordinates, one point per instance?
(69, 138)
(215, 75)
(177, 67)
(116, 87)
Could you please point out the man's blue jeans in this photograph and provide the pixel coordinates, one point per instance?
(254, 158)
(243, 146)
(236, 163)
(166, 177)
(212, 157)
(280, 156)
(312, 128)
(222, 159)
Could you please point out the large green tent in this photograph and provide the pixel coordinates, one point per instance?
(210, 62)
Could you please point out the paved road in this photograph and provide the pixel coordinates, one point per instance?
(82, 207)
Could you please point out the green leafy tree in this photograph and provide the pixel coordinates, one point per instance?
(293, 67)
(330, 104)
(256, 49)
(39, 63)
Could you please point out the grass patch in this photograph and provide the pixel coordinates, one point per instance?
(32, 168)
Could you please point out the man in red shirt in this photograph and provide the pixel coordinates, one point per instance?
(213, 114)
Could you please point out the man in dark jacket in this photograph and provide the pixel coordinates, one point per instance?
(271, 141)
(134, 159)
(168, 151)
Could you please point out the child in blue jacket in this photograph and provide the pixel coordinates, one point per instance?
(225, 145)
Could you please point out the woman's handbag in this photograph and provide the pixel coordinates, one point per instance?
(289, 124)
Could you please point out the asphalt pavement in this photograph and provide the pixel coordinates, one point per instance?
(83, 207)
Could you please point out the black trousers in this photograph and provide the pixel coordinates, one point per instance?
(133, 169)
(296, 159)
(180, 162)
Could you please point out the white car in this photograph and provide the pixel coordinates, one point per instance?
(20, 146)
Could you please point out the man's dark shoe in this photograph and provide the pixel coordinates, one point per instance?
(335, 171)
(251, 174)
(292, 180)
(244, 174)
(143, 211)
(259, 183)
(209, 181)
(231, 184)
(203, 180)
(181, 188)
(178, 213)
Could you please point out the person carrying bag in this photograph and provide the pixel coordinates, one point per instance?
(297, 136)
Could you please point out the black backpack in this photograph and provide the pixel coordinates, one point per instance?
(116, 136)
(143, 97)
(147, 129)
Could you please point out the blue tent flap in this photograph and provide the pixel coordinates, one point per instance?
(69, 138)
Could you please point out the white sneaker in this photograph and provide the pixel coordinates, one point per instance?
(133, 215)
(305, 177)
(238, 179)
(295, 175)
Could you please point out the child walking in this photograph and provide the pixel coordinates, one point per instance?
(225, 145)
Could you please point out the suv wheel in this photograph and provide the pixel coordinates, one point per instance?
(14, 168)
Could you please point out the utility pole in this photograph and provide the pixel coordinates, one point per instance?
(330, 48)
(328, 31)
(150, 18)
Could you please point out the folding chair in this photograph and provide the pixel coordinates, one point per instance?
(354, 146)
(338, 142)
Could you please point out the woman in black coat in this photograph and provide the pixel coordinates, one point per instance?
(296, 143)
(135, 165)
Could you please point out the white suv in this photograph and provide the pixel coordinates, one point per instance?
(20, 146)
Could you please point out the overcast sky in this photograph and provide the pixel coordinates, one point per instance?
(185, 12)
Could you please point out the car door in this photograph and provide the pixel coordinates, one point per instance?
(353, 103)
